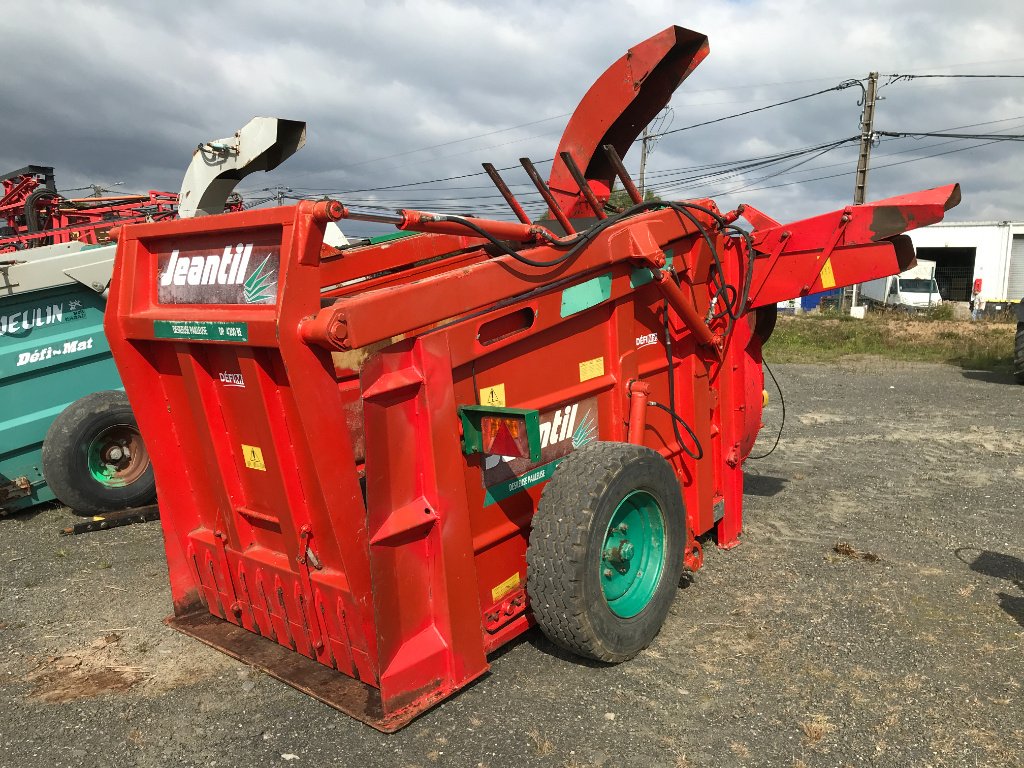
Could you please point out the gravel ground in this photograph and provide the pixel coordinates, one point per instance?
(903, 648)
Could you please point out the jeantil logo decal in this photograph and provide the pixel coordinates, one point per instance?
(242, 273)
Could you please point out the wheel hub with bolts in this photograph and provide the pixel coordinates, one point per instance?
(116, 456)
(633, 555)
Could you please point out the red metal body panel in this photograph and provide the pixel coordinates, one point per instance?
(307, 449)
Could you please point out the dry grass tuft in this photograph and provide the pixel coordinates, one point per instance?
(740, 749)
(544, 745)
(816, 728)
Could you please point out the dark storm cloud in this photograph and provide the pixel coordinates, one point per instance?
(110, 92)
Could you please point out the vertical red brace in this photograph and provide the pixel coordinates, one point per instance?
(429, 628)
(639, 392)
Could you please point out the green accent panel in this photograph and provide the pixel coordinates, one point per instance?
(502, 491)
(634, 554)
(391, 236)
(200, 330)
(642, 275)
(577, 298)
(52, 352)
(472, 441)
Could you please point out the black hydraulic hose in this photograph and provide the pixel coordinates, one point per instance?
(782, 400)
(671, 408)
(677, 418)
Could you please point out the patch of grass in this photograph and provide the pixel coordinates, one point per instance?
(918, 338)
(816, 728)
(544, 745)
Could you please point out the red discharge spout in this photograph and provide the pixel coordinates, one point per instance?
(618, 106)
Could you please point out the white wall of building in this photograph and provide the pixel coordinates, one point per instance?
(992, 241)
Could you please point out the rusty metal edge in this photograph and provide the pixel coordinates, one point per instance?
(109, 520)
(329, 686)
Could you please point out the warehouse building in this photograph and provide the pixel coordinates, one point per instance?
(968, 251)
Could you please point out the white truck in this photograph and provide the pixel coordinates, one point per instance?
(912, 290)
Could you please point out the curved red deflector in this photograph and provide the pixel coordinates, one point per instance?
(619, 104)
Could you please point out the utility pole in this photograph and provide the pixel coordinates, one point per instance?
(867, 133)
(654, 131)
(643, 163)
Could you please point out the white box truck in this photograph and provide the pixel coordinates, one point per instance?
(914, 289)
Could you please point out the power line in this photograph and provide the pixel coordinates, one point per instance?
(914, 149)
(993, 136)
(455, 141)
(845, 84)
(848, 173)
(815, 156)
(705, 179)
(841, 86)
(895, 78)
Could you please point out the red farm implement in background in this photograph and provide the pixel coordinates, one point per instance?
(378, 464)
(33, 213)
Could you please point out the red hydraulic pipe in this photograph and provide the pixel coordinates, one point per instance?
(639, 392)
(678, 301)
(422, 221)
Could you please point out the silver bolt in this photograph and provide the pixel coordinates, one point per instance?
(607, 573)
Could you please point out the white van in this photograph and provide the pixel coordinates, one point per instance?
(914, 289)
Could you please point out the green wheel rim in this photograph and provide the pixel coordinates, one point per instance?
(116, 457)
(633, 555)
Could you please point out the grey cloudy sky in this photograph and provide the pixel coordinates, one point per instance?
(399, 92)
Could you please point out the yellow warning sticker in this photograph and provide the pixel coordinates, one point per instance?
(493, 396)
(253, 457)
(828, 279)
(591, 369)
(508, 585)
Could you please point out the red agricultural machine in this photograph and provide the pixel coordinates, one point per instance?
(378, 464)
(33, 213)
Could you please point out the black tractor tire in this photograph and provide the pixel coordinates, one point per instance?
(84, 434)
(564, 557)
(1018, 354)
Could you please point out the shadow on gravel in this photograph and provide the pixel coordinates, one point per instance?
(763, 485)
(991, 377)
(31, 513)
(1000, 566)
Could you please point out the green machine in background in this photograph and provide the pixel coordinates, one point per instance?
(59, 387)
